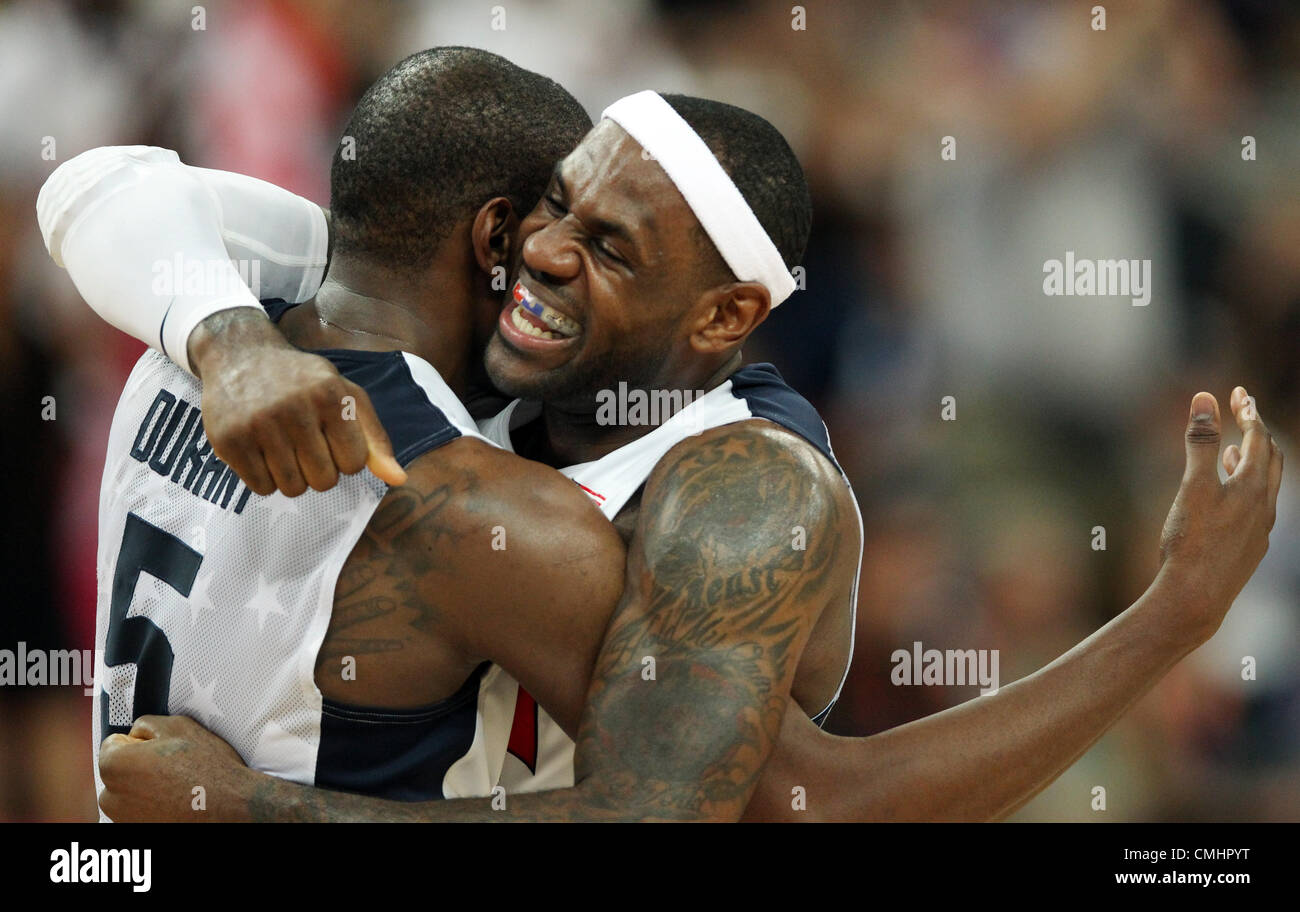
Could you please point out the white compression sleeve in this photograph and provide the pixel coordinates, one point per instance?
(149, 241)
(282, 232)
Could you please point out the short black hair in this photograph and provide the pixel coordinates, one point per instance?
(762, 166)
(437, 136)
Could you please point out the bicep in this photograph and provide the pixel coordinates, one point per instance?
(695, 671)
(537, 572)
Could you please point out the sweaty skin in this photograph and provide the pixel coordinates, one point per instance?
(415, 601)
(977, 761)
(727, 610)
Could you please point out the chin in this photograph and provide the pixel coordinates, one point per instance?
(510, 374)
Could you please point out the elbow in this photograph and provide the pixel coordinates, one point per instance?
(83, 180)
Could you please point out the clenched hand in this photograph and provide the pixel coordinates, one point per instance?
(168, 769)
(282, 418)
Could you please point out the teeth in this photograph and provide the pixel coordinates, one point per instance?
(563, 326)
(558, 322)
(517, 317)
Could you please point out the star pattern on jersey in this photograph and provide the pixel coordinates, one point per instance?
(277, 746)
(343, 510)
(279, 506)
(264, 600)
(202, 703)
(198, 601)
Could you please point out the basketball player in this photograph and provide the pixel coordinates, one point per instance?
(623, 782)
(233, 607)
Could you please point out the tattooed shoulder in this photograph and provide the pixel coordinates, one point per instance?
(724, 605)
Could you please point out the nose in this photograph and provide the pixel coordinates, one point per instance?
(551, 254)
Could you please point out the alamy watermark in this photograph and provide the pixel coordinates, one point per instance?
(23, 667)
(182, 275)
(1127, 278)
(950, 667)
(641, 407)
(75, 865)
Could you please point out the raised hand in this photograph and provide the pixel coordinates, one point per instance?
(1217, 531)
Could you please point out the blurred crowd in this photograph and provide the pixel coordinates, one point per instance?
(923, 281)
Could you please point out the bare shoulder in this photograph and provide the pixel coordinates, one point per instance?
(750, 473)
(483, 494)
(749, 523)
(747, 507)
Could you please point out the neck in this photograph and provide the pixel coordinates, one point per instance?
(368, 308)
(572, 436)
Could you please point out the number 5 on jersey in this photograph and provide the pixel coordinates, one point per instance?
(137, 640)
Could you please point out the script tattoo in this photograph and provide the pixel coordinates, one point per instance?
(716, 595)
(405, 538)
(722, 602)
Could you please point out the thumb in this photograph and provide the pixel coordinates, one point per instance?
(116, 740)
(1202, 439)
(146, 728)
(379, 450)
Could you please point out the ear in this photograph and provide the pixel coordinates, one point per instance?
(494, 233)
(728, 314)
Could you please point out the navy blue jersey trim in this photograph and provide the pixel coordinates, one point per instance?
(276, 308)
(769, 396)
(414, 424)
(402, 755)
(408, 716)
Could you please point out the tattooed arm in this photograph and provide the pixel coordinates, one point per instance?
(716, 596)
(722, 603)
(977, 761)
(481, 556)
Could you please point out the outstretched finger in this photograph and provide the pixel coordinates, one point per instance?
(1202, 439)
(1256, 446)
(379, 450)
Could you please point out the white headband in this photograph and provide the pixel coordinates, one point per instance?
(721, 210)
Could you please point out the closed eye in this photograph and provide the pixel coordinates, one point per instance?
(608, 252)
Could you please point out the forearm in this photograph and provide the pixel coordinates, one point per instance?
(259, 798)
(229, 334)
(151, 244)
(985, 758)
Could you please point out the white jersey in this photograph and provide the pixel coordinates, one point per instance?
(540, 755)
(214, 601)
